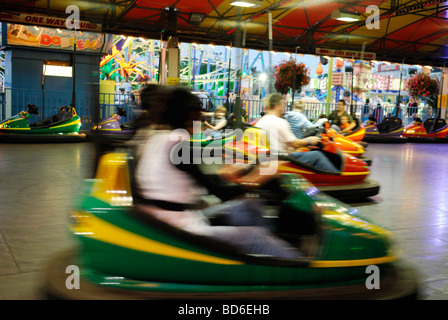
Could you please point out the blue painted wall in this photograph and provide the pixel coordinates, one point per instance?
(25, 68)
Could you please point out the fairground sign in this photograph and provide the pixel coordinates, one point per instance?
(49, 38)
(38, 20)
(350, 54)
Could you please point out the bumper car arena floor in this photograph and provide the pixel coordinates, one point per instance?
(38, 183)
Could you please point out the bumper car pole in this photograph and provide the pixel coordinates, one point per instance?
(73, 103)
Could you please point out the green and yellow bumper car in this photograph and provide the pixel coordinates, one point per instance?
(125, 254)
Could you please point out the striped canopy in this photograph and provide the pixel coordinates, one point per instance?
(413, 32)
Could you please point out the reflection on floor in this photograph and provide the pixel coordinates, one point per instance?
(413, 204)
(37, 184)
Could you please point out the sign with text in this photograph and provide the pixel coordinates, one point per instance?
(388, 67)
(39, 20)
(172, 81)
(337, 79)
(346, 54)
(49, 38)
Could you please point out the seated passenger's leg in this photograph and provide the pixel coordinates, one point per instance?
(335, 127)
(255, 240)
(242, 212)
(316, 159)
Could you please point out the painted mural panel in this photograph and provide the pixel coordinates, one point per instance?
(51, 38)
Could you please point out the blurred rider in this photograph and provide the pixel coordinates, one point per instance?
(169, 186)
(335, 118)
(282, 140)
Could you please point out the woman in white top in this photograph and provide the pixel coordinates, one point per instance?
(169, 185)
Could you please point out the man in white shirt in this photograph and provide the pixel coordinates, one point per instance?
(282, 139)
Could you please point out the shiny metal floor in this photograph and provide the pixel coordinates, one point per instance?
(37, 184)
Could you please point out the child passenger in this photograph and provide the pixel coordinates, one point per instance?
(344, 120)
(218, 122)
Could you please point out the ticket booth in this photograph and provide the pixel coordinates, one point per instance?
(43, 67)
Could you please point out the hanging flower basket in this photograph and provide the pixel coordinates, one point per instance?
(290, 75)
(422, 86)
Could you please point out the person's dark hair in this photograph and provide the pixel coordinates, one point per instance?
(367, 101)
(181, 107)
(149, 95)
(343, 101)
(169, 106)
(152, 99)
(175, 107)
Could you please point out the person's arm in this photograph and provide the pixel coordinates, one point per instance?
(288, 136)
(212, 182)
(305, 122)
(299, 143)
(207, 114)
(221, 124)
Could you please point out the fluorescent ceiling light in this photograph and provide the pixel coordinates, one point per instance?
(247, 3)
(345, 16)
(57, 71)
(347, 19)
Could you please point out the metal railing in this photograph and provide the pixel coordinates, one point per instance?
(252, 108)
(12, 101)
(314, 110)
(49, 101)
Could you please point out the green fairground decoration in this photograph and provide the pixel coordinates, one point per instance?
(291, 75)
(425, 88)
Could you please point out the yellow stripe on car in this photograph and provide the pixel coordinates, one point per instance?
(351, 263)
(98, 229)
(67, 124)
(289, 169)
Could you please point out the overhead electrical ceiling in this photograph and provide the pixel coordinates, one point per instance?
(415, 32)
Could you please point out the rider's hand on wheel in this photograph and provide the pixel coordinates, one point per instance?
(313, 140)
(233, 172)
(262, 174)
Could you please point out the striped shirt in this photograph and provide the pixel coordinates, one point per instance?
(299, 123)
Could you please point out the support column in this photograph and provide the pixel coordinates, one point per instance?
(330, 76)
(162, 63)
(443, 93)
(173, 62)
